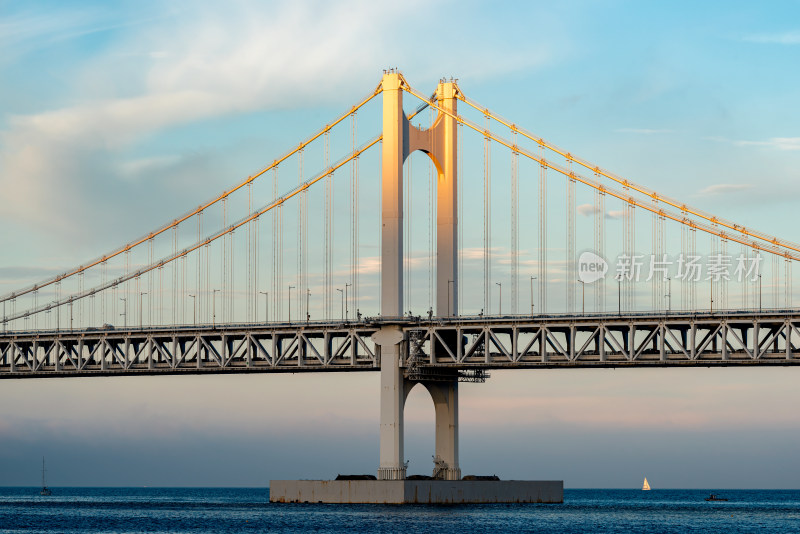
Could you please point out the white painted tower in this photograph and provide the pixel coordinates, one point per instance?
(400, 138)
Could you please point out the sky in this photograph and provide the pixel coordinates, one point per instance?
(116, 117)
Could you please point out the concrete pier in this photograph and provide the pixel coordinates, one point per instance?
(416, 491)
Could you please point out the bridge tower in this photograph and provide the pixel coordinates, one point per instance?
(400, 139)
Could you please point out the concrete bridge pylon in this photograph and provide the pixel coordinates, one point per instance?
(439, 142)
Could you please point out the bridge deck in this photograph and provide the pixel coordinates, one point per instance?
(553, 341)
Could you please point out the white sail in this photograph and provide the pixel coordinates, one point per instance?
(645, 486)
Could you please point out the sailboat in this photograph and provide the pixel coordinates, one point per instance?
(645, 486)
(45, 490)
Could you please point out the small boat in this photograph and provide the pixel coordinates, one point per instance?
(645, 486)
(45, 490)
(715, 497)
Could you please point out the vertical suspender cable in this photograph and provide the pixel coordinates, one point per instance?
(542, 276)
(775, 280)
(787, 281)
(380, 220)
(514, 227)
(408, 217)
(460, 215)
(249, 290)
(232, 283)
(224, 260)
(256, 267)
(199, 275)
(601, 249)
(328, 222)
(174, 290)
(571, 274)
(723, 301)
(693, 286)
(631, 289)
(300, 294)
(150, 284)
(103, 316)
(744, 256)
(356, 233)
(487, 229)
(298, 244)
(353, 297)
(161, 295)
(277, 250)
(655, 257)
(431, 220)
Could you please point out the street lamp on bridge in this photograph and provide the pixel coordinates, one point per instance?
(290, 303)
(341, 292)
(759, 293)
(532, 279)
(346, 302)
(214, 307)
(500, 303)
(194, 309)
(124, 310)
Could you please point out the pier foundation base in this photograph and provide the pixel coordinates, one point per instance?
(416, 491)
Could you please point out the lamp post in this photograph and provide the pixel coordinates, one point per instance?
(583, 297)
(669, 295)
(266, 305)
(70, 316)
(141, 293)
(214, 307)
(711, 293)
(290, 303)
(194, 309)
(346, 303)
(532, 279)
(124, 310)
(759, 293)
(619, 294)
(308, 301)
(500, 303)
(341, 292)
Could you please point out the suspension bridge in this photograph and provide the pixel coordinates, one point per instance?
(388, 241)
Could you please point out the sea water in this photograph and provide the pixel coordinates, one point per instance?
(84, 510)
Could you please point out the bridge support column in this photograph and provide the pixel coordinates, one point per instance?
(394, 388)
(445, 401)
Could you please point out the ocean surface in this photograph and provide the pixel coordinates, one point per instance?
(81, 510)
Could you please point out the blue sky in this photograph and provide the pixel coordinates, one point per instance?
(117, 117)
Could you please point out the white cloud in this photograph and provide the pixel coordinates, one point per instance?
(786, 38)
(251, 57)
(642, 131)
(778, 143)
(721, 189)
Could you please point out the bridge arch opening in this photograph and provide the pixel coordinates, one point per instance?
(420, 177)
(420, 430)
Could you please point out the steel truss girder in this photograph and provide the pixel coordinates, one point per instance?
(613, 341)
(485, 343)
(189, 350)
